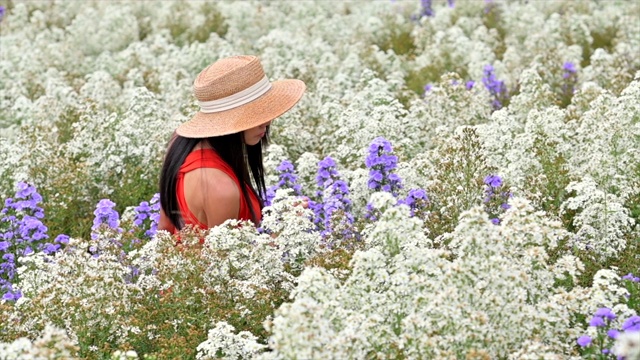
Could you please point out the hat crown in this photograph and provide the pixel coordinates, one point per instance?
(227, 76)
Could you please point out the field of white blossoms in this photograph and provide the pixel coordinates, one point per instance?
(473, 170)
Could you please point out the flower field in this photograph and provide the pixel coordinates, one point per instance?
(472, 169)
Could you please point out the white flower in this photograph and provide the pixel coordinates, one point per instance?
(222, 338)
(627, 345)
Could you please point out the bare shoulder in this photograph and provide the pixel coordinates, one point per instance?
(215, 193)
(225, 187)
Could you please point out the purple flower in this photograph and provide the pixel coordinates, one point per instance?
(12, 296)
(613, 333)
(451, 3)
(569, 69)
(25, 191)
(335, 207)
(50, 248)
(496, 87)
(570, 79)
(428, 88)
(371, 213)
(596, 321)
(287, 180)
(469, 85)
(26, 200)
(427, 8)
(496, 202)
(584, 340)
(605, 313)
(147, 215)
(32, 228)
(142, 213)
(154, 215)
(326, 172)
(630, 277)
(416, 198)
(22, 232)
(381, 163)
(105, 214)
(2, 12)
(632, 324)
(62, 239)
(493, 180)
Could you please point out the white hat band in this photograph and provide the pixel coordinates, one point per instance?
(240, 98)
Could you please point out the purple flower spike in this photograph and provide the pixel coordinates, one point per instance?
(21, 234)
(335, 206)
(147, 215)
(570, 79)
(495, 199)
(496, 87)
(287, 180)
(105, 214)
(381, 163)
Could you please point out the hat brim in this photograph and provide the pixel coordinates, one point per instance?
(282, 96)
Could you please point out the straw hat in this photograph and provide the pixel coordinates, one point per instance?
(234, 95)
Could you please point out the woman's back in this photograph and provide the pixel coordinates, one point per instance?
(208, 191)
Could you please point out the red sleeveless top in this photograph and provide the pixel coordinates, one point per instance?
(209, 158)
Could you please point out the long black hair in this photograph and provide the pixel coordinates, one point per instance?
(249, 170)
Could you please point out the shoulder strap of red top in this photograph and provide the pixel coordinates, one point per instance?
(206, 158)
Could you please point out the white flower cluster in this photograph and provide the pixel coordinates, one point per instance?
(405, 299)
(627, 345)
(602, 221)
(222, 338)
(54, 343)
(240, 262)
(92, 92)
(74, 285)
(294, 234)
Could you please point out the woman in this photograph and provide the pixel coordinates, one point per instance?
(213, 168)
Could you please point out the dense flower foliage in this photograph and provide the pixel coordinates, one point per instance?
(470, 167)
